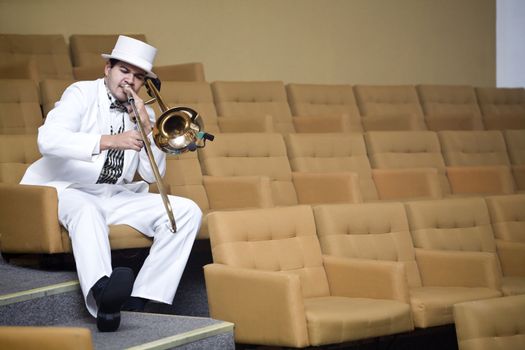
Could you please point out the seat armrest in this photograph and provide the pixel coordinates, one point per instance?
(407, 183)
(231, 192)
(29, 219)
(262, 123)
(377, 279)
(495, 179)
(263, 305)
(512, 257)
(458, 268)
(315, 188)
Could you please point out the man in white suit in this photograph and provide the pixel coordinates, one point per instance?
(91, 151)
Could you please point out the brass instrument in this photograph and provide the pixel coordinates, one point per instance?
(176, 131)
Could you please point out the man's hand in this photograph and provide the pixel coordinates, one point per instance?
(130, 139)
(141, 108)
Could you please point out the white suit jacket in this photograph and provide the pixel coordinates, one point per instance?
(70, 136)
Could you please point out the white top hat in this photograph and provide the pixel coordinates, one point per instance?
(134, 52)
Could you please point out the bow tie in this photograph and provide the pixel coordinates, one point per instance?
(117, 105)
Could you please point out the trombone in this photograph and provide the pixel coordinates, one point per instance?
(176, 131)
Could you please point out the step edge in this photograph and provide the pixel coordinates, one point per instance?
(186, 337)
(40, 292)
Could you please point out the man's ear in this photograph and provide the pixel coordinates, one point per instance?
(107, 67)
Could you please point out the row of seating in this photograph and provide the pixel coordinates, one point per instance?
(266, 106)
(48, 56)
(301, 275)
(253, 170)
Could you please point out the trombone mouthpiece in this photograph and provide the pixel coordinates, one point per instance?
(127, 92)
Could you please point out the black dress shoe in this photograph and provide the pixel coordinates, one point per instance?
(116, 291)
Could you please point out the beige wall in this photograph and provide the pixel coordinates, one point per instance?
(318, 41)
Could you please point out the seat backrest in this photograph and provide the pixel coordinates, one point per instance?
(87, 48)
(444, 107)
(508, 216)
(17, 152)
(193, 94)
(502, 108)
(501, 101)
(51, 91)
(337, 152)
(407, 149)
(20, 111)
(387, 100)
(459, 224)
(252, 154)
(515, 140)
(480, 147)
(19, 69)
(184, 177)
(274, 239)
(256, 98)
(357, 231)
(495, 323)
(49, 52)
(324, 99)
(508, 221)
(192, 71)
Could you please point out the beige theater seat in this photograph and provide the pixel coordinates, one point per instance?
(198, 95)
(502, 108)
(45, 338)
(477, 162)
(409, 150)
(184, 178)
(48, 51)
(270, 278)
(264, 155)
(495, 324)
(515, 140)
(17, 152)
(508, 222)
(328, 100)
(332, 153)
(263, 99)
(450, 107)
(462, 225)
(377, 234)
(28, 214)
(389, 107)
(19, 69)
(19, 107)
(51, 91)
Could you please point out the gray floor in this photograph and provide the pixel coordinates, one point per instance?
(15, 279)
(59, 306)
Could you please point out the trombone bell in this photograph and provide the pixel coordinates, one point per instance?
(178, 129)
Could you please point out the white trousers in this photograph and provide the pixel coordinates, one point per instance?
(86, 212)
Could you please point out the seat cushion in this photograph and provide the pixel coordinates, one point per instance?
(339, 319)
(433, 306)
(513, 285)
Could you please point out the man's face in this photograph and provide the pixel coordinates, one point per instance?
(121, 74)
